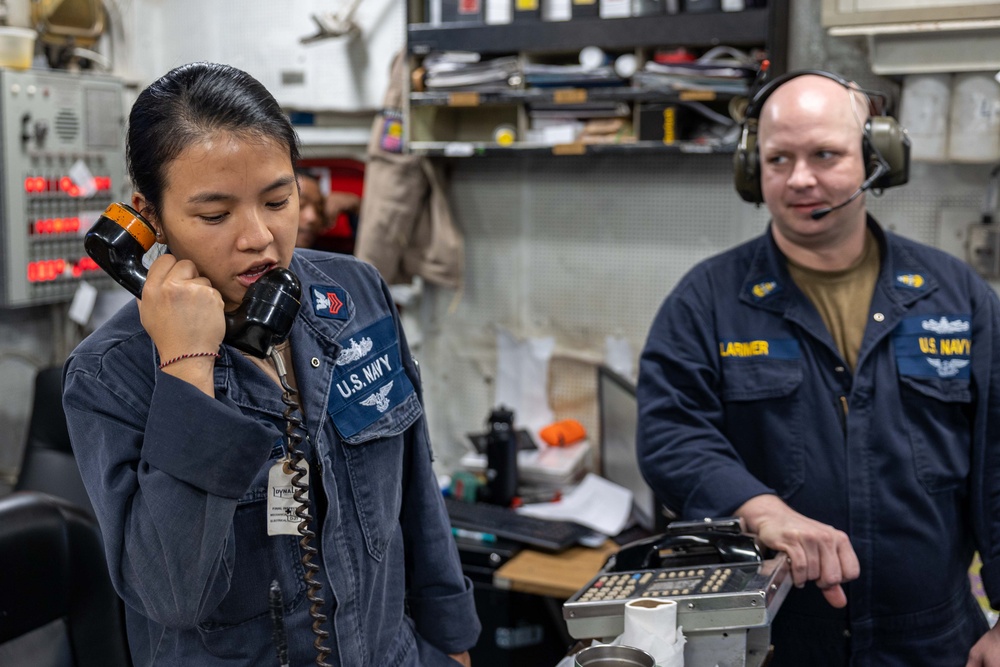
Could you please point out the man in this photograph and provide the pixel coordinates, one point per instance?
(312, 220)
(836, 386)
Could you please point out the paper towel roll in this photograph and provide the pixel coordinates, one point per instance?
(652, 626)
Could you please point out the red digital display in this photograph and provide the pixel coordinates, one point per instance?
(64, 184)
(47, 270)
(47, 226)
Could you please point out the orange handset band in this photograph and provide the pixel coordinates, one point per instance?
(133, 223)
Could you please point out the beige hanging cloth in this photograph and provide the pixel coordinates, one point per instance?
(405, 226)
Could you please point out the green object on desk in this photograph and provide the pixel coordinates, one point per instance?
(473, 535)
(464, 486)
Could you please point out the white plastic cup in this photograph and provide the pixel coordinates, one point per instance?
(17, 47)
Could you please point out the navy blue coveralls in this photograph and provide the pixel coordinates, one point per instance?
(179, 482)
(742, 392)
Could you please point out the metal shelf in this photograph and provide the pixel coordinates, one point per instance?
(746, 28)
(443, 112)
(563, 96)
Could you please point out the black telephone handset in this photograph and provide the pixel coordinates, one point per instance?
(689, 543)
(117, 242)
(120, 238)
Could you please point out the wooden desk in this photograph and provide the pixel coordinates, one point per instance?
(552, 575)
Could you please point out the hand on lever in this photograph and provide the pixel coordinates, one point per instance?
(817, 552)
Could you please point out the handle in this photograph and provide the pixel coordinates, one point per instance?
(117, 243)
(120, 238)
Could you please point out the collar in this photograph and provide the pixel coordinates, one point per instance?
(902, 277)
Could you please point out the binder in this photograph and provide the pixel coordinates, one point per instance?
(585, 9)
(527, 10)
(497, 12)
(702, 6)
(557, 10)
(461, 11)
(615, 9)
(647, 7)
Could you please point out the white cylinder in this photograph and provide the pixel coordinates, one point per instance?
(924, 110)
(974, 134)
(592, 57)
(651, 624)
(626, 65)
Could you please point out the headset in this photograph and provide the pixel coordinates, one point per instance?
(885, 145)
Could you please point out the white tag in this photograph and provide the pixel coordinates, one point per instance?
(83, 178)
(83, 303)
(281, 503)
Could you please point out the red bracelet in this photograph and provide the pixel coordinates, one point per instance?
(188, 356)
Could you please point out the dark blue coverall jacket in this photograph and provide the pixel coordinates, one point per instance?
(742, 392)
(179, 482)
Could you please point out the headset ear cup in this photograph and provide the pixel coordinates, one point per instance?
(884, 135)
(746, 168)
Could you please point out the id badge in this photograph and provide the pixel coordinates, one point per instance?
(281, 503)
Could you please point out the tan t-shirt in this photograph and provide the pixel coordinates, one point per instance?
(843, 297)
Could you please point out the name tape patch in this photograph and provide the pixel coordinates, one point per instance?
(781, 348)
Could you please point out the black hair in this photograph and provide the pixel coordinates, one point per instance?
(188, 103)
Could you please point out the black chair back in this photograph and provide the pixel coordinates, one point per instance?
(49, 465)
(57, 605)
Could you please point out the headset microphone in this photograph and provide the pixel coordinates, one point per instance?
(880, 169)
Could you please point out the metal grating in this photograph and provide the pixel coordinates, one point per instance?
(67, 125)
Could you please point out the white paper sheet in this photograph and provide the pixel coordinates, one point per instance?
(523, 379)
(595, 502)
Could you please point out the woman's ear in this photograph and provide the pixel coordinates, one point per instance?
(140, 204)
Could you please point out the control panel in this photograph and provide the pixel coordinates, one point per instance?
(720, 595)
(63, 162)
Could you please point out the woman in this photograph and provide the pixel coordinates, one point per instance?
(176, 433)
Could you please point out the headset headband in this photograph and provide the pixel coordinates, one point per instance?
(764, 91)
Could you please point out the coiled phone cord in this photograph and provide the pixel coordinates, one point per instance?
(293, 437)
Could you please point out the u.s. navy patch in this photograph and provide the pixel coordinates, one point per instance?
(782, 348)
(368, 378)
(329, 302)
(764, 289)
(934, 346)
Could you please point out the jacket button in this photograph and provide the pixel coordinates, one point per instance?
(315, 362)
(878, 317)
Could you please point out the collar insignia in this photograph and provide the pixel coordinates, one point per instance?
(914, 280)
(764, 289)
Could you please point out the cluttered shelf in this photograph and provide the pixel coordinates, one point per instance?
(587, 102)
(560, 96)
(747, 27)
(673, 82)
(470, 149)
